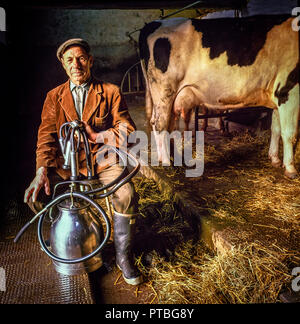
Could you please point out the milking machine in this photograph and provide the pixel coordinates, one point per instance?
(76, 235)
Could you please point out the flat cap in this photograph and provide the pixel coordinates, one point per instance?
(71, 42)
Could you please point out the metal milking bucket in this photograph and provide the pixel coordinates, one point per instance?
(75, 232)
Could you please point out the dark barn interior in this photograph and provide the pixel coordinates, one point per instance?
(34, 31)
(29, 69)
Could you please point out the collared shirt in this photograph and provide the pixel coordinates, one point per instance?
(83, 95)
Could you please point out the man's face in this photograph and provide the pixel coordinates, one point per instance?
(77, 64)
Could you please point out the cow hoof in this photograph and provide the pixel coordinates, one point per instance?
(291, 175)
(276, 164)
(275, 161)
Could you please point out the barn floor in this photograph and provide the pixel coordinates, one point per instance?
(223, 207)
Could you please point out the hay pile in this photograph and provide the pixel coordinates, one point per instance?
(190, 274)
(240, 186)
(161, 225)
(250, 274)
(248, 186)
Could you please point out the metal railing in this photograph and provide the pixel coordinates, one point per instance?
(133, 82)
(228, 113)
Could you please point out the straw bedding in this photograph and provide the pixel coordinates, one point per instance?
(248, 191)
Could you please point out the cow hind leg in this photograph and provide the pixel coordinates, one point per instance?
(289, 114)
(221, 125)
(204, 123)
(187, 120)
(275, 137)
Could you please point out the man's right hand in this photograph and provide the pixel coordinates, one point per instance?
(41, 180)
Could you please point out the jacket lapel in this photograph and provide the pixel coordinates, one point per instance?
(67, 102)
(93, 100)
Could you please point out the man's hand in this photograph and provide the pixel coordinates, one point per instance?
(92, 135)
(41, 180)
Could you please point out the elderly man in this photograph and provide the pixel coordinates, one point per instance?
(102, 109)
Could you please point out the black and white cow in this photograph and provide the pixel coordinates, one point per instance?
(225, 63)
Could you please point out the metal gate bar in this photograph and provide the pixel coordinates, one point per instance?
(127, 79)
(241, 111)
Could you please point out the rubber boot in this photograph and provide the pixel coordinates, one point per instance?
(124, 230)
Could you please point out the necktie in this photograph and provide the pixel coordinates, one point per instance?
(79, 100)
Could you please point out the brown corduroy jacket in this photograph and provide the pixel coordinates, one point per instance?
(105, 109)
